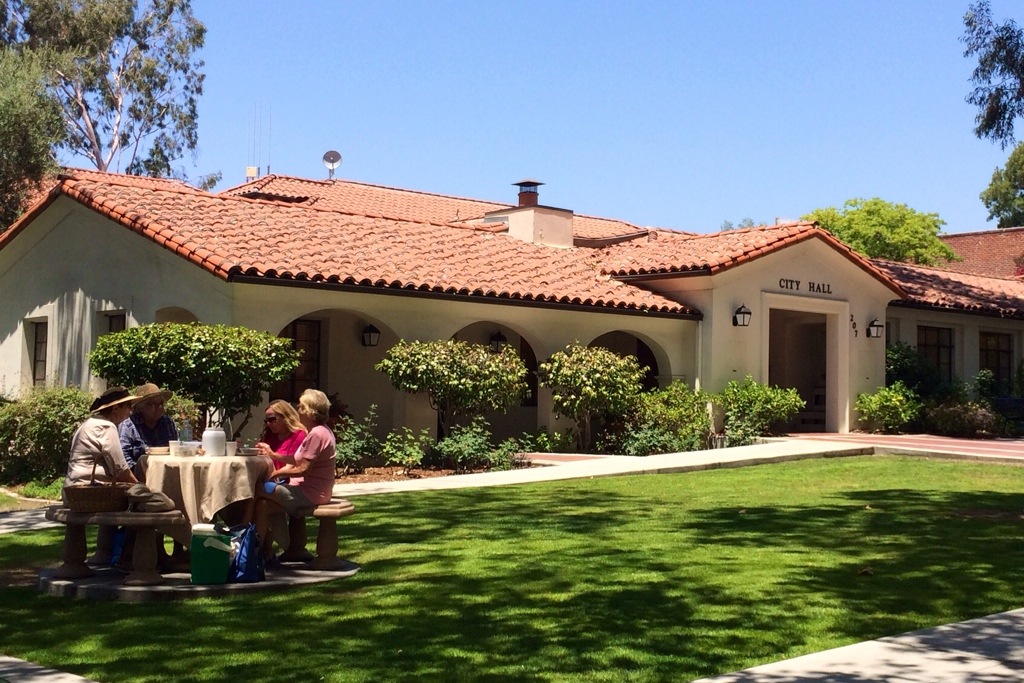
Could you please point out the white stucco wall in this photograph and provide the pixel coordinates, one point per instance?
(844, 293)
(71, 265)
(903, 324)
(349, 366)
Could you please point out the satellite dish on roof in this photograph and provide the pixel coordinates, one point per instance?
(332, 160)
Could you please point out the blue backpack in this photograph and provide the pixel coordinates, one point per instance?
(247, 566)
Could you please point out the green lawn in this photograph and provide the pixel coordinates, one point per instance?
(645, 578)
(7, 501)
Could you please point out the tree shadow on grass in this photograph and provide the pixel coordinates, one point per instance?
(569, 582)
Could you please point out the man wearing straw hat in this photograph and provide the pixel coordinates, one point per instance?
(148, 426)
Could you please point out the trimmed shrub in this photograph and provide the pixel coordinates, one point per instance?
(889, 409)
(35, 433)
(467, 447)
(542, 441)
(682, 411)
(649, 438)
(405, 449)
(355, 443)
(226, 369)
(753, 409)
(964, 419)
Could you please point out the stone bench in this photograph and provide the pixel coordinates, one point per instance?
(145, 524)
(326, 537)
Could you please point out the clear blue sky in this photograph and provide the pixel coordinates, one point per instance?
(674, 114)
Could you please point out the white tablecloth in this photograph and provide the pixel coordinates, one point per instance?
(202, 485)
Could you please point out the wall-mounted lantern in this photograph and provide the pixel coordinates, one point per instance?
(371, 336)
(741, 318)
(875, 329)
(498, 342)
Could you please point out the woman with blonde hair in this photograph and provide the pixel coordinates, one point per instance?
(310, 471)
(283, 432)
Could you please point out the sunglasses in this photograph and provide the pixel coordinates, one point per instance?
(268, 420)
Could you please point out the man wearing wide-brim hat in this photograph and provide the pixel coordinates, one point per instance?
(148, 426)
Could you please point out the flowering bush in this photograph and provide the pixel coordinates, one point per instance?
(889, 409)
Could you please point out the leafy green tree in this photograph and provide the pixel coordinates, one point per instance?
(591, 382)
(30, 126)
(460, 379)
(127, 77)
(223, 369)
(879, 229)
(1004, 196)
(999, 77)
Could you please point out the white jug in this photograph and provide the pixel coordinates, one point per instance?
(214, 441)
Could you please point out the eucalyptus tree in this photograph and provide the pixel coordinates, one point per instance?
(125, 73)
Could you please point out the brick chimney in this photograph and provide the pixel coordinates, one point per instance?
(531, 222)
(528, 192)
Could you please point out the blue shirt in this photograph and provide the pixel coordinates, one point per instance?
(136, 436)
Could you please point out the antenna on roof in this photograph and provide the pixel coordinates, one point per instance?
(332, 160)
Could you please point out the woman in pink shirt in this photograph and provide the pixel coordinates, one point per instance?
(310, 471)
(282, 432)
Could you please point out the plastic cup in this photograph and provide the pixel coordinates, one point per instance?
(230, 448)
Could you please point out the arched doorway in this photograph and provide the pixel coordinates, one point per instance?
(626, 344)
(520, 418)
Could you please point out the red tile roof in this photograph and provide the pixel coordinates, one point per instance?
(275, 239)
(232, 236)
(348, 196)
(939, 288)
(989, 252)
(666, 252)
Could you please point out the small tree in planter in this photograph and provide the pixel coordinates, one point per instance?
(224, 369)
(461, 379)
(589, 382)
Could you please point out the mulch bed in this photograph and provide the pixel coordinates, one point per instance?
(377, 474)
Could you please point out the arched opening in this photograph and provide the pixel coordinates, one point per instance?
(626, 344)
(338, 355)
(520, 418)
(175, 314)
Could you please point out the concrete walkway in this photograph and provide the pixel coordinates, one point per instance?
(985, 650)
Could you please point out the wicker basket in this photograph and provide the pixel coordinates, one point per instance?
(97, 496)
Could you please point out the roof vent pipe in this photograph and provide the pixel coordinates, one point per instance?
(528, 192)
